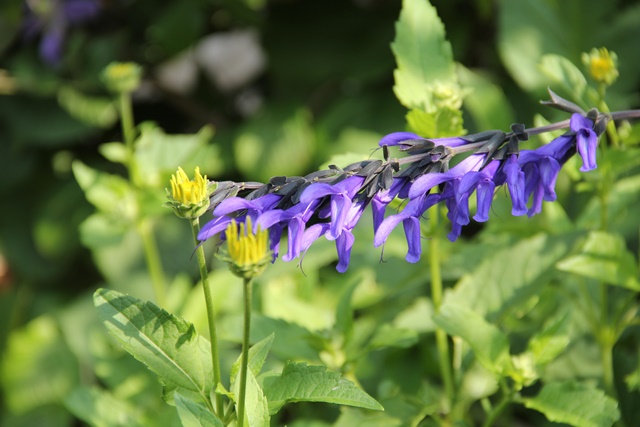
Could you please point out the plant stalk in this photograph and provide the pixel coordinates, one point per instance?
(211, 315)
(244, 361)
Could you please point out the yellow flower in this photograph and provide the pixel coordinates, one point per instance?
(122, 77)
(247, 252)
(602, 65)
(188, 198)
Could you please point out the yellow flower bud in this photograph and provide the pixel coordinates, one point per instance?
(188, 198)
(602, 65)
(122, 77)
(247, 252)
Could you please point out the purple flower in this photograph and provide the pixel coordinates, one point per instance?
(254, 208)
(52, 18)
(586, 141)
(397, 138)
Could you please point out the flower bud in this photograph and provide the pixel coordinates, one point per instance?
(122, 77)
(188, 198)
(247, 252)
(602, 65)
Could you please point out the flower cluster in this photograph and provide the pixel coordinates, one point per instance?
(330, 203)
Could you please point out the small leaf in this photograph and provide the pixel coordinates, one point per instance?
(575, 404)
(604, 257)
(300, 382)
(488, 343)
(168, 345)
(257, 355)
(100, 408)
(194, 414)
(565, 74)
(549, 343)
(114, 151)
(100, 112)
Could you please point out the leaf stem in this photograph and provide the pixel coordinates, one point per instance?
(211, 315)
(442, 341)
(244, 361)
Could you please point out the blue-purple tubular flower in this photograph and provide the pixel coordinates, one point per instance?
(330, 203)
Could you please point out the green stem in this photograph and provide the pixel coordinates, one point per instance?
(244, 362)
(152, 258)
(507, 397)
(442, 341)
(128, 131)
(211, 315)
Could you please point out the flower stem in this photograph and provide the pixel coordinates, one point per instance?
(128, 131)
(507, 396)
(244, 361)
(442, 341)
(211, 315)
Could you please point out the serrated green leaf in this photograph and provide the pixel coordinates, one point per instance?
(257, 355)
(604, 257)
(256, 404)
(439, 124)
(300, 382)
(193, 414)
(166, 344)
(95, 111)
(423, 55)
(489, 344)
(575, 404)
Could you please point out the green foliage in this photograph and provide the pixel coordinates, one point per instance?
(575, 404)
(300, 382)
(168, 345)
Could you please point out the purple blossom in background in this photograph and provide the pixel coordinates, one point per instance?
(330, 203)
(52, 19)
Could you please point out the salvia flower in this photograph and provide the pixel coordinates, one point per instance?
(331, 202)
(52, 19)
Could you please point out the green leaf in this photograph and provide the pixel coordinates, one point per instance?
(37, 367)
(344, 314)
(507, 277)
(488, 343)
(360, 418)
(256, 404)
(485, 101)
(391, 336)
(168, 345)
(604, 257)
(193, 414)
(575, 404)
(114, 151)
(300, 382)
(443, 122)
(422, 53)
(94, 111)
(100, 408)
(547, 344)
(159, 154)
(107, 192)
(257, 355)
